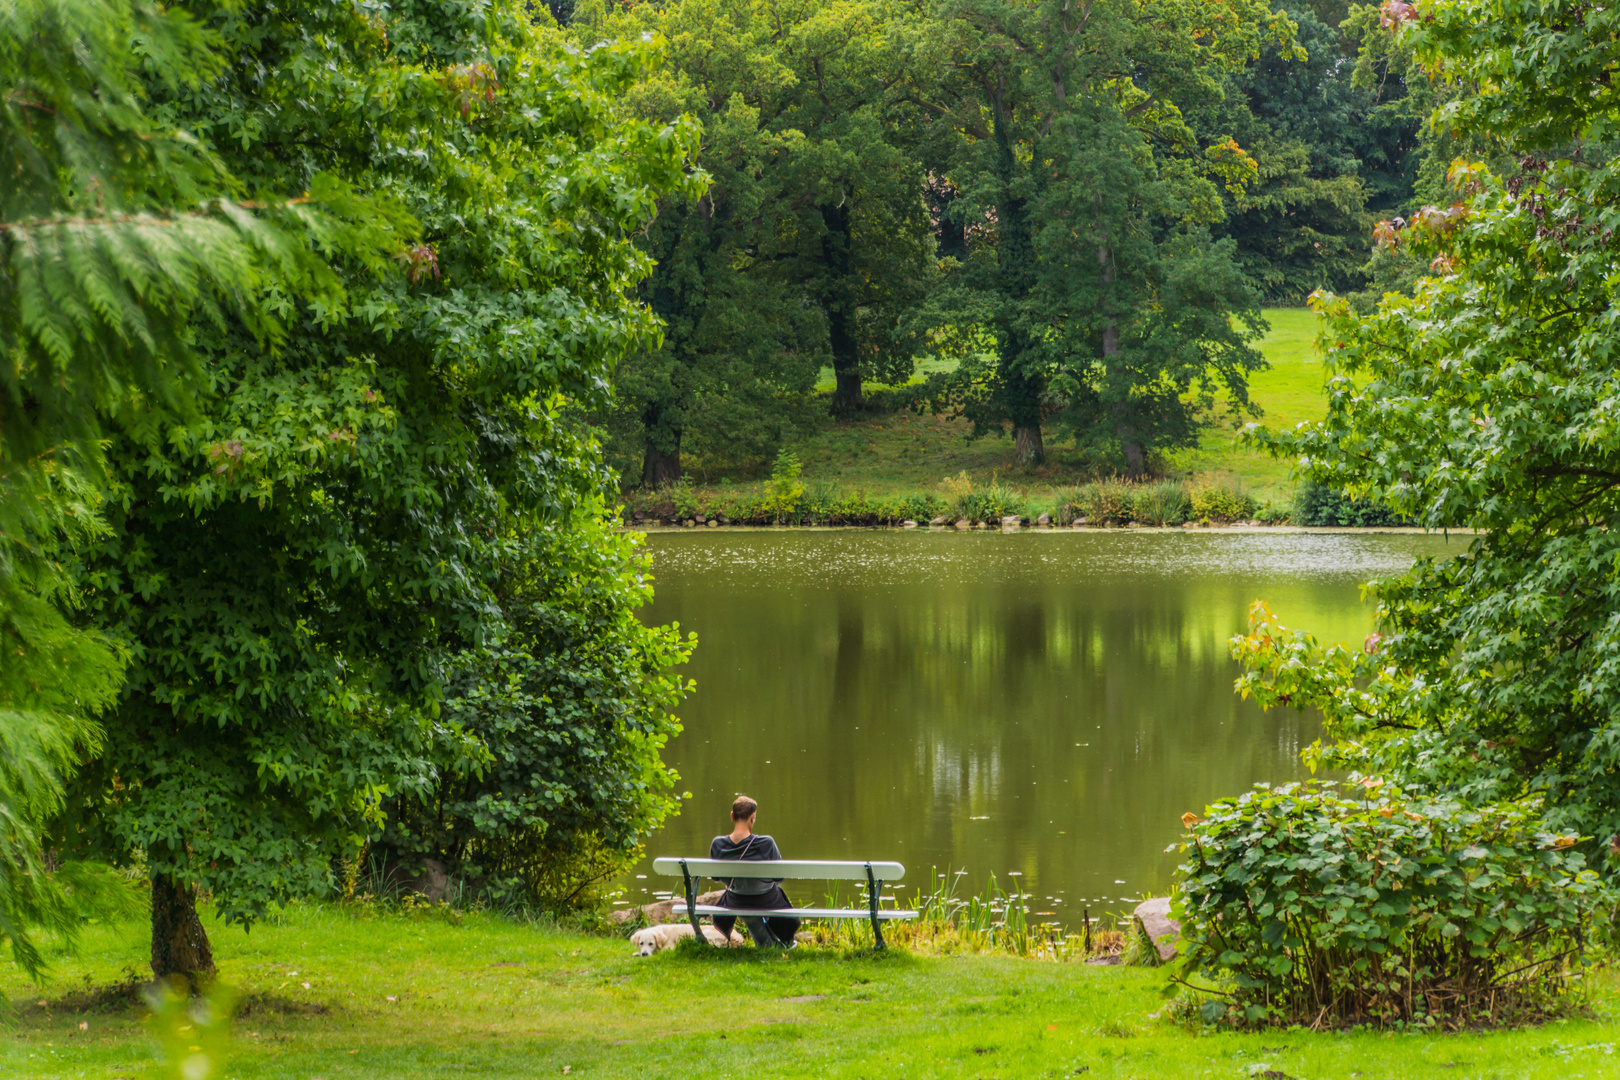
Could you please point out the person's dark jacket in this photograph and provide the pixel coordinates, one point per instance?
(753, 849)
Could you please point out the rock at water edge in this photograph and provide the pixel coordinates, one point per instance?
(664, 910)
(1154, 918)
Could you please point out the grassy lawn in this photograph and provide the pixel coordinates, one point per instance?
(900, 453)
(330, 994)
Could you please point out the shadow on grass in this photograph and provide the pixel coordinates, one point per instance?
(691, 951)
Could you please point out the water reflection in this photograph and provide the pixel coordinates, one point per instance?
(1047, 703)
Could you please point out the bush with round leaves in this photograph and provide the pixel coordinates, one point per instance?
(1301, 905)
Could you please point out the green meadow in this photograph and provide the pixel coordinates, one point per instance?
(902, 452)
(328, 993)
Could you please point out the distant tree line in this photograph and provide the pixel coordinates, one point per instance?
(1087, 210)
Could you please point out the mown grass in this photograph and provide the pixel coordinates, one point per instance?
(392, 995)
(892, 454)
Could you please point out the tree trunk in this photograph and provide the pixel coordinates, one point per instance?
(1023, 385)
(1031, 449)
(180, 946)
(659, 467)
(837, 264)
(1135, 459)
(847, 398)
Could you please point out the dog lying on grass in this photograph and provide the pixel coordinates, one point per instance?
(658, 938)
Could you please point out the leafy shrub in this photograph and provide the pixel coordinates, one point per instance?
(549, 775)
(1326, 506)
(784, 491)
(1220, 498)
(684, 498)
(1273, 514)
(1106, 501)
(989, 502)
(1307, 907)
(1164, 503)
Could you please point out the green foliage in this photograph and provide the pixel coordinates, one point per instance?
(810, 245)
(193, 1030)
(980, 502)
(306, 564)
(784, 491)
(1086, 202)
(118, 233)
(1315, 504)
(1106, 501)
(1164, 503)
(117, 228)
(572, 707)
(1220, 498)
(1306, 907)
(1485, 401)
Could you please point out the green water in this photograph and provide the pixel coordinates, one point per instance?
(1043, 704)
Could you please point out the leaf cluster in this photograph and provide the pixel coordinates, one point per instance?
(1305, 906)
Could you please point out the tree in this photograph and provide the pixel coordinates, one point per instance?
(1302, 223)
(118, 232)
(298, 567)
(810, 245)
(1111, 308)
(1485, 401)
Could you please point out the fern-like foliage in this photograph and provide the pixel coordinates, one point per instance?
(119, 235)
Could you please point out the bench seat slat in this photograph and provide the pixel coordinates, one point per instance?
(787, 869)
(884, 914)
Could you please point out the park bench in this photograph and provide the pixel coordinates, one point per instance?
(875, 874)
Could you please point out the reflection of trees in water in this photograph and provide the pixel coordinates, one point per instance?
(890, 717)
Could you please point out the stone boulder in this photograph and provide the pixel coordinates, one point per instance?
(663, 911)
(941, 520)
(963, 523)
(1011, 521)
(429, 879)
(908, 524)
(1153, 916)
(1044, 519)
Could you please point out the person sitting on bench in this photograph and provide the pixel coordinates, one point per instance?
(745, 893)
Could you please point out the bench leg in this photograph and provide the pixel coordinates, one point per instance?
(691, 905)
(874, 889)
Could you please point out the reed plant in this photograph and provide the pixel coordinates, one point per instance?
(993, 921)
(1106, 501)
(1163, 503)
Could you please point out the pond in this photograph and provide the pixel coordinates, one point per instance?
(1042, 704)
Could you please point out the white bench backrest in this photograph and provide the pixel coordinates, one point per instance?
(787, 869)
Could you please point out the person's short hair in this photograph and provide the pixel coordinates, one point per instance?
(743, 808)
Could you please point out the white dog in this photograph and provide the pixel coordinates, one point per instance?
(658, 938)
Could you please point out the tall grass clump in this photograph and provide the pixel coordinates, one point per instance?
(1163, 503)
(980, 502)
(1106, 502)
(993, 920)
(1220, 498)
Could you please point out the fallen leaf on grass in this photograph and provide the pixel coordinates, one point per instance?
(390, 999)
(567, 1069)
(305, 985)
(84, 1025)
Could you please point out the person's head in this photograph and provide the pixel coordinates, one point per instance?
(743, 811)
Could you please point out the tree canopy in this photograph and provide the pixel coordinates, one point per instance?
(1485, 401)
(300, 563)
